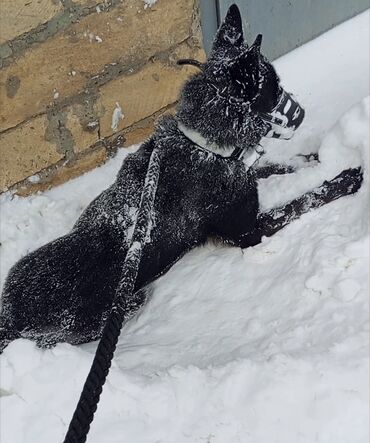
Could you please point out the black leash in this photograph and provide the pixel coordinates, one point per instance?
(124, 304)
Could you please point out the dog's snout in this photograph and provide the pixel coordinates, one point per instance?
(285, 118)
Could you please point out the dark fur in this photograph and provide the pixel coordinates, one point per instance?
(64, 290)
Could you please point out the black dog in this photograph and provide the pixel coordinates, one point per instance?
(64, 290)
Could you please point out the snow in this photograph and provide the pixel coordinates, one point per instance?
(34, 178)
(149, 3)
(265, 344)
(117, 116)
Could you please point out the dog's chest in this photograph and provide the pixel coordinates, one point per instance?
(194, 189)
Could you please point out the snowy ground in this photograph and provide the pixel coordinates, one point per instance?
(265, 345)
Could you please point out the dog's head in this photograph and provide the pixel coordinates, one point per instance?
(237, 98)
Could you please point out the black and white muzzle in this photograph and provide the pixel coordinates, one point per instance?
(285, 118)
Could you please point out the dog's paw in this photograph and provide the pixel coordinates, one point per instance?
(308, 158)
(347, 182)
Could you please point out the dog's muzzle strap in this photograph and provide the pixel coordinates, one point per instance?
(285, 118)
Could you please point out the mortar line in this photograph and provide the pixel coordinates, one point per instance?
(76, 98)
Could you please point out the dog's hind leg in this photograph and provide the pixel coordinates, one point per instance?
(346, 183)
(60, 291)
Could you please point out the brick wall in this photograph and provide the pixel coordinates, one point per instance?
(67, 66)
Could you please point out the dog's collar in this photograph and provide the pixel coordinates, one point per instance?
(201, 143)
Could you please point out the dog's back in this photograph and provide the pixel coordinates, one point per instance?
(63, 291)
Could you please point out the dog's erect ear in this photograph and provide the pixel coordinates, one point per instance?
(230, 32)
(256, 46)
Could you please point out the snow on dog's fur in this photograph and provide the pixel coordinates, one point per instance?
(63, 291)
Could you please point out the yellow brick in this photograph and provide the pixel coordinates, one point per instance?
(24, 152)
(142, 94)
(19, 16)
(138, 135)
(125, 33)
(89, 161)
(61, 174)
(88, 3)
(144, 129)
(83, 137)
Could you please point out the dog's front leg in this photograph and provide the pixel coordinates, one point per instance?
(346, 183)
(267, 223)
(268, 169)
(273, 169)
